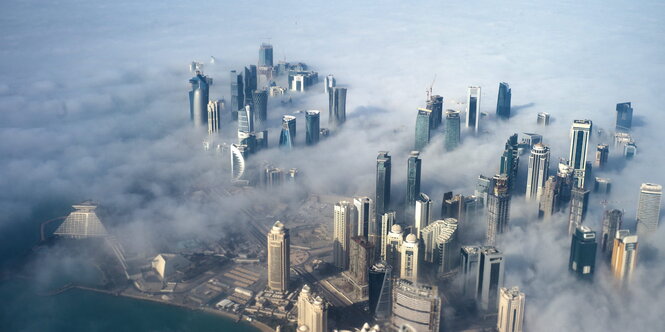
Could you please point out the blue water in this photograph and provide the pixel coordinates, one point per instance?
(22, 309)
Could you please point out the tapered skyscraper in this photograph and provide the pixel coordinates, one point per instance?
(279, 264)
(260, 103)
(336, 106)
(287, 137)
(539, 163)
(498, 209)
(198, 100)
(312, 127)
(503, 102)
(423, 127)
(624, 117)
(579, 146)
(329, 84)
(413, 179)
(473, 109)
(511, 310)
(582, 260)
(648, 209)
(452, 128)
(380, 290)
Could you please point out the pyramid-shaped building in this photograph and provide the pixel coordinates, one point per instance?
(82, 223)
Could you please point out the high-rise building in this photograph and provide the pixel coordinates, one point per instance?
(483, 188)
(565, 176)
(415, 307)
(582, 260)
(430, 237)
(238, 155)
(602, 153)
(274, 177)
(260, 103)
(380, 290)
(602, 185)
(237, 94)
(343, 217)
(629, 150)
(365, 214)
(543, 119)
(648, 209)
(548, 201)
(498, 209)
(312, 311)
(612, 220)
(336, 107)
(413, 179)
(265, 56)
(360, 259)
(472, 209)
(452, 128)
(453, 207)
(539, 163)
(422, 213)
(511, 310)
(579, 204)
(329, 83)
(529, 140)
(279, 264)
(469, 257)
(410, 257)
(423, 127)
(579, 145)
(215, 110)
(503, 101)
(287, 137)
(246, 120)
(312, 127)
(383, 170)
(392, 252)
(473, 109)
(447, 248)
(624, 256)
(510, 161)
(250, 83)
(435, 104)
(198, 99)
(387, 222)
(490, 279)
(624, 117)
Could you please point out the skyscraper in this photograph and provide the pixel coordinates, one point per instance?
(198, 99)
(602, 153)
(579, 145)
(579, 204)
(582, 260)
(648, 209)
(498, 209)
(246, 120)
(343, 217)
(380, 290)
(237, 94)
(503, 101)
(260, 103)
(469, 257)
(430, 238)
(312, 127)
(448, 248)
(511, 310)
(624, 117)
(360, 260)
(287, 137)
(392, 251)
(473, 109)
(265, 55)
(312, 311)
(329, 84)
(452, 128)
(215, 110)
(238, 155)
(490, 279)
(387, 222)
(548, 200)
(612, 220)
(415, 307)
(602, 185)
(435, 104)
(539, 163)
(382, 193)
(422, 213)
(423, 127)
(336, 107)
(365, 215)
(250, 83)
(629, 150)
(410, 257)
(413, 179)
(279, 265)
(483, 187)
(543, 119)
(510, 161)
(624, 256)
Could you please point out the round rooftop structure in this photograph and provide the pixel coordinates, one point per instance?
(278, 227)
(396, 229)
(411, 238)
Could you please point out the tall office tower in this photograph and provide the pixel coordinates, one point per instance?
(215, 109)
(387, 222)
(473, 109)
(413, 179)
(548, 200)
(503, 101)
(444, 206)
(265, 55)
(343, 217)
(237, 94)
(260, 102)
(529, 140)
(365, 214)
(582, 260)
(416, 307)
(483, 188)
(498, 209)
(490, 279)
(312, 127)
(472, 209)
(565, 176)
(579, 204)
(612, 220)
(274, 177)
(624, 117)
(360, 260)
(648, 209)
(447, 253)
(410, 257)
(511, 310)
(392, 252)
(579, 145)
(382, 196)
(246, 120)
(380, 290)
(250, 83)
(629, 150)
(423, 212)
(429, 236)
(336, 107)
(279, 264)
(287, 137)
(423, 127)
(312, 311)
(539, 164)
(510, 160)
(453, 207)
(198, 99)
(602, 153)
(602, 185)
(543, 119)
(330, 83)
(624, 256)
(452, 128)
(238, 156)
(469, 257)
(435, 104)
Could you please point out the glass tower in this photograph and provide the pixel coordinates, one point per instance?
(539, 163)
(473, 109)
(423, 126)
(452, 128)
(336, 106)
(312, 130)
(413, 179)
(582, 260)
(288, 135)
(260, 103)
(435, 104)
(579, 145)
(624, 117)
(503, 102)
(382, 196)
(265, 55)
(198, 99)
(237, 94)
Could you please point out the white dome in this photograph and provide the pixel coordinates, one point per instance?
(396, 228)
(411, 238)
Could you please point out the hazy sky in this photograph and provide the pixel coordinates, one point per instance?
(94, 104)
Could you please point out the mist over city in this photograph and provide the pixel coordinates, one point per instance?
(191, 213)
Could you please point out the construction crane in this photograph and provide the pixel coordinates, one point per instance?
(429, 90)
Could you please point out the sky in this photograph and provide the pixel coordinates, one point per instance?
(94, 105)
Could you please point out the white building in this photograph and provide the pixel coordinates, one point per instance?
(648, 209)
(511, 310)
(539, 163)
